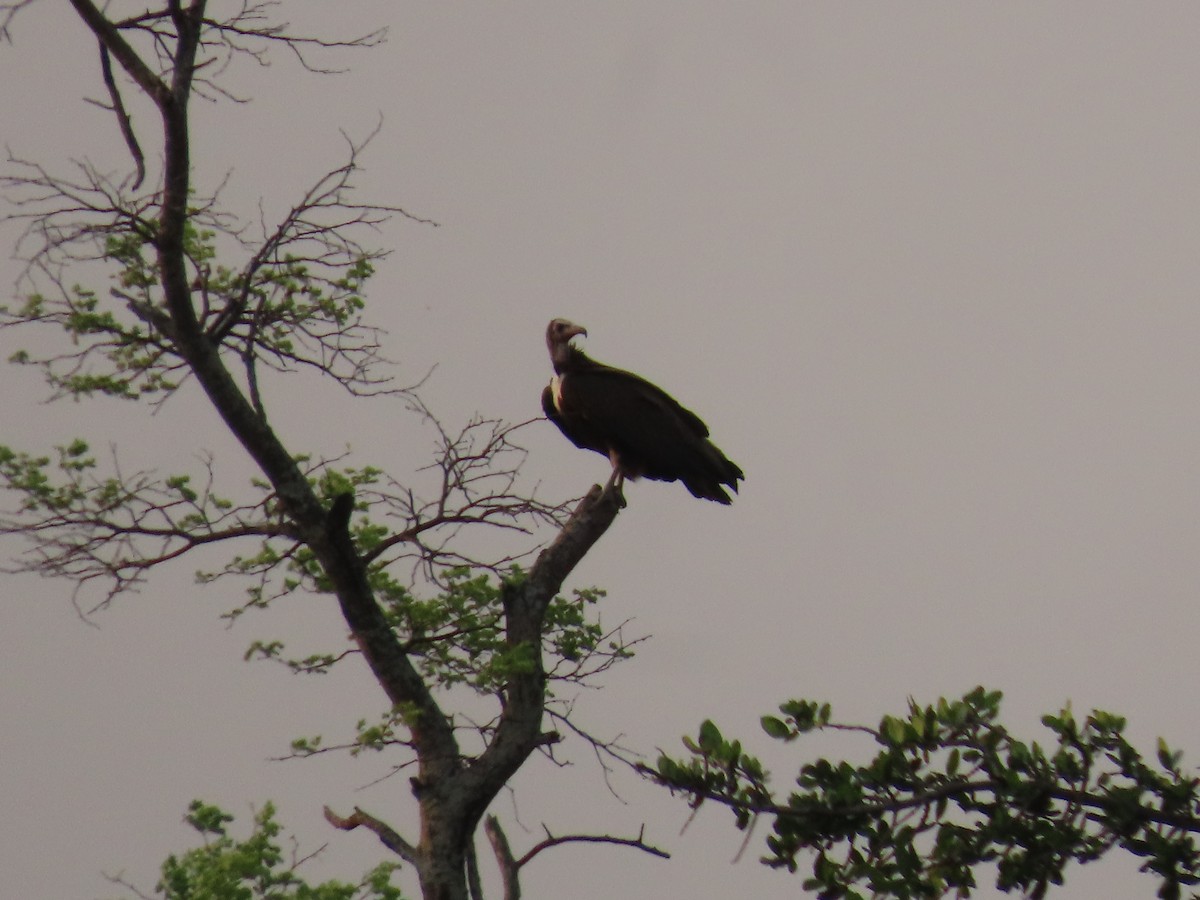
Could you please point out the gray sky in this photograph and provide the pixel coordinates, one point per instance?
(929, 274)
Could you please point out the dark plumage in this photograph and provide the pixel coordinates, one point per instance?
(643, 431)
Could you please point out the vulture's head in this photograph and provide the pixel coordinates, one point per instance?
(558, 339)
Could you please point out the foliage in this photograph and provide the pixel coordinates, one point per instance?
(225, 868)
(457, 638)
(952, 789)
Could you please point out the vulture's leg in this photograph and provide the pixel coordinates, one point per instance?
(616, 481)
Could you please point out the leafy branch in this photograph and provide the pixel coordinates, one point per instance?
(256, 868)
(295, 303)
(953, 789)
(85, 527)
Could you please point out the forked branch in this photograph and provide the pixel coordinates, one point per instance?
(510, 866)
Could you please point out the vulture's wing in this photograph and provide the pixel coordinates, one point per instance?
(654, 436)
(573, 427)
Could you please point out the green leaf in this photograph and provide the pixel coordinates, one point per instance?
(893, 729)
(710, 737)
(1166, 758)
(775, 727)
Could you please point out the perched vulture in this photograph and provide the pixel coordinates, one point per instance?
(642, 430)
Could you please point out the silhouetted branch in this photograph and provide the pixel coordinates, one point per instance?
(387, 835)
(123, 120)
(604, 750)
(510, 867)
(474, 474)
(8, 11)
(553, 841)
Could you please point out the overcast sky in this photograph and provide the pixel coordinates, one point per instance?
(929, 273)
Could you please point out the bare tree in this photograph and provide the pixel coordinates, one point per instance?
(202, 299)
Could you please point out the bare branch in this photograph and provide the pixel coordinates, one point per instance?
(510, 867)
(8, 12)
(475, 474)
(605, 751)
(123, 120)
(247, 33)
(120, 882)
(129, 59)
(509, 870)
(553, 841)
(387, 835)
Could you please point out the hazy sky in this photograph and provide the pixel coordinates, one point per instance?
(930, 274)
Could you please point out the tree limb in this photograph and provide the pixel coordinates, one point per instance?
(509, 870)
(123, 120)
(519, 730)
(110, 37)
(387, 835)
(553, 841)
(510, 867)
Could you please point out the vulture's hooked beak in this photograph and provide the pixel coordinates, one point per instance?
(558, 338)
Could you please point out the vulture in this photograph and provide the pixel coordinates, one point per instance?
(642, 430)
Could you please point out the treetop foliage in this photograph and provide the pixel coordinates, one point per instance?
(257, 868)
